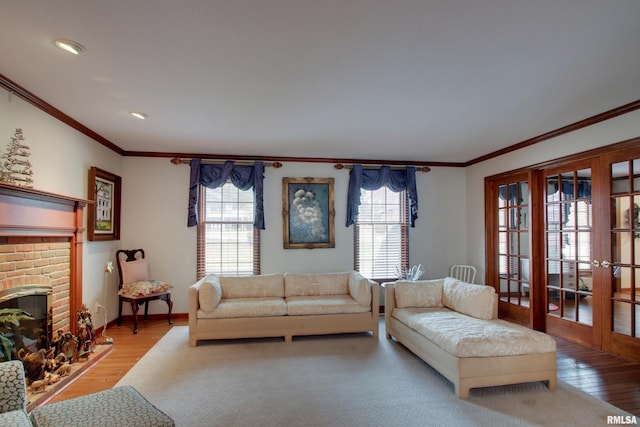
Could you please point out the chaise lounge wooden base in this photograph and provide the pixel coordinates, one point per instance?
(471, 372)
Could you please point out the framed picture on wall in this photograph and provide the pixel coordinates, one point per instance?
(103, 221)
(308, 213)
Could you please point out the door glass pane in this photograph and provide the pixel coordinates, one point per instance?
(569, 306)
(524, 192)
(619, 208)
(502, 218)
(524, 218)
(553, 296)
(524, 244)
(584, 246)
(620, 178)
(619, 242)
(633, 215)
(504, 286)
(621, 323)
(502, 196)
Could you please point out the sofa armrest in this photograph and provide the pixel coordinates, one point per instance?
(375, 299)
(194, 301)
(389, 304)
(13, 386)
(389, 296)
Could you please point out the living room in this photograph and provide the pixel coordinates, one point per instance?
(450, 228)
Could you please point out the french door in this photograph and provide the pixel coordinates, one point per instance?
(592, 251)
(563, 247)
(572, 282)
(620, 264)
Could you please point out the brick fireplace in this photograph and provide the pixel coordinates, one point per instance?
(41, 248)
(38, 266)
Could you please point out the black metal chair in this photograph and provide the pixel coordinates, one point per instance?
(133, 268)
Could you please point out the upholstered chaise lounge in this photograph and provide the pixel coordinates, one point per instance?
(453, 326)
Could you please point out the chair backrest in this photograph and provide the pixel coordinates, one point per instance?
(124, 256)
(465, 273)
(13, 386)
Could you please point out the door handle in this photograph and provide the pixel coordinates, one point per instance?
(595, 263)
(605, 264)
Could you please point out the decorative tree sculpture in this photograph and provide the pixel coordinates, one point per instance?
(16, 168)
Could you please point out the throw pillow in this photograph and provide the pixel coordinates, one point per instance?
(134, 271)
(143, 288)
(209, 294)
(419, 293)
(473, 300)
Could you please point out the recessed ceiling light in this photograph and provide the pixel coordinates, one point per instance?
(138, 115)
(70, 46)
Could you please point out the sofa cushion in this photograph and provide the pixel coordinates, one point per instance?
(324, 304)
(259, 286)
(466, 336)
(209, 294)
(360, 289)
(316, 284)
(246, 307)
(419, 293)
(466, 298)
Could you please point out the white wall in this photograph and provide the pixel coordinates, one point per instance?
(618, 129)
(154, 207)
(60, 160)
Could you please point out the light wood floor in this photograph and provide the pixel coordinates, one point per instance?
(607, 377)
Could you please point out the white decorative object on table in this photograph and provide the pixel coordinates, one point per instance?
(414, 273)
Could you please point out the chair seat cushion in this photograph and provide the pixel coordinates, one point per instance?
(144, 288)
(16, 418)
(119, 406)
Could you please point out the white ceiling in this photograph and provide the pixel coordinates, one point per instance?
(412, 80)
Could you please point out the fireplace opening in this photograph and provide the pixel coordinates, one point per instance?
(25, 320)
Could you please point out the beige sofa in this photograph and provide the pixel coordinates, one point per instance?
(282, 305)
(453, 327)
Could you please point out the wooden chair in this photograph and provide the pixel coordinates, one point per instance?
(465, 273)
(133, 268)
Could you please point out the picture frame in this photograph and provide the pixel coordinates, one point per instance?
(308, 213)
(103, 218)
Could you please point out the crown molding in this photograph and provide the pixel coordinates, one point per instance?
(37, 102)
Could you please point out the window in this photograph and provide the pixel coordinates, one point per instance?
(381, 234)
(228, 243)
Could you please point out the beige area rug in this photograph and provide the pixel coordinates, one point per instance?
(337, 380)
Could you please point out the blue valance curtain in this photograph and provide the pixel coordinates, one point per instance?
(583, 188)
(372, 179)
(214, 176)
(513, 193)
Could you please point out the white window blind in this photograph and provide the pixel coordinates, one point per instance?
(381, 234)
(228, 243)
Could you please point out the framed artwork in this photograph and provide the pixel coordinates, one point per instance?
(103, 221)
(308, 213)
